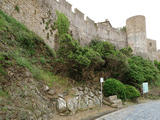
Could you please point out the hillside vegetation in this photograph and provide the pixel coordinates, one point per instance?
(22, 50)
(102, 59)
(21, 47)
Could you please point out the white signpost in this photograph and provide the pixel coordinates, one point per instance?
(145, 87)
(101, 81)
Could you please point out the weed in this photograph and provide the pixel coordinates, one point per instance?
(43, 60)
(17, 8)
(3, 93)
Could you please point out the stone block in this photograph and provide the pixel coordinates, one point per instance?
(51, 92)
(72, 105)
(80, 88)
(118, 101)
(112, 98)
(61, 95)
(61, 105)
(46, 88)
(114, 105)
(106, 103)
(91, 94)
(91, 104)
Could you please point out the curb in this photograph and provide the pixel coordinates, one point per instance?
(99, 115)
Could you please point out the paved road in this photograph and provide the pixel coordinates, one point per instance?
(145, 111)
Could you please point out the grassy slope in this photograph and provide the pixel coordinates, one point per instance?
(20, 47)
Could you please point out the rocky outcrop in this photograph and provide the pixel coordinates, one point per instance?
(84, 98)
(26, 99)
(32, 99)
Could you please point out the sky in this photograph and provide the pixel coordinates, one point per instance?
(117, 11)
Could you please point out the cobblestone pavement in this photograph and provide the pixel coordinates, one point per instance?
(145, 111)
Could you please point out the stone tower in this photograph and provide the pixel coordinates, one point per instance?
(136, 34)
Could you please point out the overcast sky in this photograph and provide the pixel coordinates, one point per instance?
(117, 11)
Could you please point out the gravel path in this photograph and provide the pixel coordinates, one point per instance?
(145, 111)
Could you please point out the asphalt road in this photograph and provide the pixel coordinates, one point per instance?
(145, 111)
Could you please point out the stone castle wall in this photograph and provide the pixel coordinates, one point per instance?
(33, 11)
(86, 30)
(39, 15)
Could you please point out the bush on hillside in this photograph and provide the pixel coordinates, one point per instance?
(62, 23)
(127, 51)
(104, 48)
(101, 57)
(131, 92)
(2, 59)
(157, 64)
(116, 62)
(141, 70)
(114, 87)
(76, 57)
(4, 62)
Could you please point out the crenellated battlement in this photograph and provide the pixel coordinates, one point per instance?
(90, 20)
(68, 5)
(79, 14)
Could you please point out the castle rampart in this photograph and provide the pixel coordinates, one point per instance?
(36, 14)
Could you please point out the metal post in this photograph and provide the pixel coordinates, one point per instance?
(101, 94)
(101, 81)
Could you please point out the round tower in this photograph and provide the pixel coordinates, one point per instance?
(136, 34)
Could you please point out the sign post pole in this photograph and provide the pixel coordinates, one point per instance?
(101, 81)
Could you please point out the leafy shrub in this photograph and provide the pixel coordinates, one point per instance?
(26, 40)
(141, 70)
(3, 93)
(43, 60)
(117, 64)
(104, 48)
(127, 51)
(62, 23)
(76, 57)
(115, 61)
(4, 61)
(22, 61)
(1, 64)
(131, 92)
(114, 87)
(157, 64)
(17, 8)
